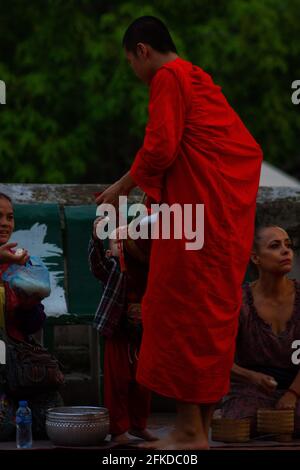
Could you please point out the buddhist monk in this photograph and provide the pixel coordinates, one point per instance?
(196, 150)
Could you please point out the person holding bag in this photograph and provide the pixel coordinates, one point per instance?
(21, 315)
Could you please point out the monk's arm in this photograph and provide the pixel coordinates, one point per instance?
(122, 187)
(162, 139)
(163, 134)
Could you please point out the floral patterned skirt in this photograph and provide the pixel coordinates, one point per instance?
(244, 400)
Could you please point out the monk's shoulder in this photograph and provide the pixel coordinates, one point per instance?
(166, 80)
(179, 68)
(165, 75)
(175, 74)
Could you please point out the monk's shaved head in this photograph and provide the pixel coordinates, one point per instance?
(148, 30)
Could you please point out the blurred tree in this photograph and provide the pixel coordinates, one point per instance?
(75, 112)
(251, 48)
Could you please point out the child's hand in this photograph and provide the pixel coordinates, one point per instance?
(120, 233)
(99, 225)
(7, 256)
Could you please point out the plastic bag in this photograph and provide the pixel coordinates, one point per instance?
(32, 278)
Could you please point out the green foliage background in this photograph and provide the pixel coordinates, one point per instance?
(76, 113)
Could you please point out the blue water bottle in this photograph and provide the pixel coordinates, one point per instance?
(24, 423)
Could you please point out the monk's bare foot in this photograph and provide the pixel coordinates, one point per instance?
(178, 441)
(143, 434)
(123, 438)
(196, 444)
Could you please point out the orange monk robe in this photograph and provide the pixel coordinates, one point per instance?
(196, 150)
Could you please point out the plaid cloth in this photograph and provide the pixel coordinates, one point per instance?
(113, 301)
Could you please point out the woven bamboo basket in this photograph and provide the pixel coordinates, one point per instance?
(277, 422)
(230, 430)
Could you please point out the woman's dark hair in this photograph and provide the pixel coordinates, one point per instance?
(257, 234)
(5, 196)
(148, 30)
(253, 270)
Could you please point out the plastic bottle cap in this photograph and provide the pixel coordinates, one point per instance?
(23, 403)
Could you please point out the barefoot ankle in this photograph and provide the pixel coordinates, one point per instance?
(123, 437)
(142, 433)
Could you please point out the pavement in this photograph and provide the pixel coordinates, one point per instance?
(160, 424)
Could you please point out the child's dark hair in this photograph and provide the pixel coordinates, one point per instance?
(5, 196)
(148, 30)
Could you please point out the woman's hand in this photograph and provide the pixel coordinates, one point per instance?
(264, 381)
(7, 256)
(288, 401)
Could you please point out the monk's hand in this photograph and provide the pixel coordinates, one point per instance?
(122, 187)
(288, 401)
(264, 381)
(8, 256)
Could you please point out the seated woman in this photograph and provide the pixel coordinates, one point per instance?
(263, 375)
(21, 316)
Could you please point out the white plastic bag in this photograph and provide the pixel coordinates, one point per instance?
(32, 278)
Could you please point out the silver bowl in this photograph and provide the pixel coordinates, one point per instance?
(77, 425)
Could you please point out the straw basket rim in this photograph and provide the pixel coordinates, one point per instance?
(275, 421)
(230, 429)
(277, 412)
